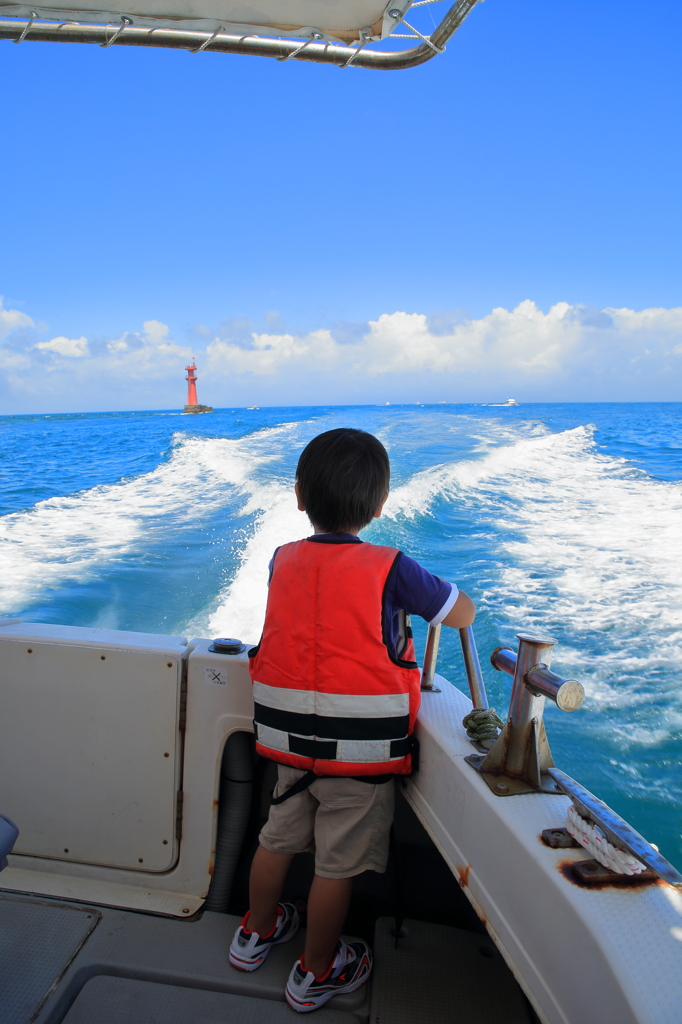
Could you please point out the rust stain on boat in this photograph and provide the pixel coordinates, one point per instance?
(463, 875)
(628, 882)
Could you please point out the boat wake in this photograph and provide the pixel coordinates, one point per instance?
(544, 528)
(71, 538)
(580, 543)
(567, 538)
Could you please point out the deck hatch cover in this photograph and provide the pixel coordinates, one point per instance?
(89, 752)
(38, 941)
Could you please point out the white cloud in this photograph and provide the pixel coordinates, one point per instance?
(73, 348)
(12, 320)
(150, 353)
(569, 353)
(274, 352)
(524, 343)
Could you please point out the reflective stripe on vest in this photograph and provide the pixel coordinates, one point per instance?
(328, 696)
(332, 726)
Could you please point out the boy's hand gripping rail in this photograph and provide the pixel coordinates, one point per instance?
(520, 759)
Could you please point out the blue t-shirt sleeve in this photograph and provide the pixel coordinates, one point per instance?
(417, 591)
(271, 565)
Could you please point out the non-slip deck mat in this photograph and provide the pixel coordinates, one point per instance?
(441, 975)
(38, 941)
(107, 1000)
(184, 955)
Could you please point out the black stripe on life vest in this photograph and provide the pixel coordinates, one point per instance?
(312, 748)
(400, 748)
(392, 728)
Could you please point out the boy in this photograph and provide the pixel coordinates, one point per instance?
(336, 695)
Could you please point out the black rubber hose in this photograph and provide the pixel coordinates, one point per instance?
(236, 787)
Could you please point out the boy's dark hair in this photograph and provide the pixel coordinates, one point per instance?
(343, 476)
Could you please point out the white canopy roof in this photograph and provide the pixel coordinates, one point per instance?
(334, 19)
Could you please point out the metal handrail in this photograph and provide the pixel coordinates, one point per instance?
(567, 694)
(519, 759)
(472, 665)
(616, 829)
(430, 658)
(249, 45)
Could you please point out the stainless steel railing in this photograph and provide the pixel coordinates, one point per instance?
(430, 658)
(320, 52)
(471, 664)
(520, 760)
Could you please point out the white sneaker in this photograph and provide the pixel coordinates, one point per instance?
(249, 949)
(349, 969)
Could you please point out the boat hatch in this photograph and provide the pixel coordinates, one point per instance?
(110, 754)
(90, 736)
(307, 30)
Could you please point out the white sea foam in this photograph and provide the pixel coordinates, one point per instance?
(595, 534)
(70, 538)
(575, 537)
(241, 606)
(582, 539)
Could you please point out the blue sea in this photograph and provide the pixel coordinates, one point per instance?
(565, 518)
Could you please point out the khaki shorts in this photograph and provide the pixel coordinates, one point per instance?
(344, 822)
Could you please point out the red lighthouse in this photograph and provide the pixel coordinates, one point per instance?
(192, 404)
(191, 385)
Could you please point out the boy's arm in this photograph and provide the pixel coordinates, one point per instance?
(419, 592)
(462, 613)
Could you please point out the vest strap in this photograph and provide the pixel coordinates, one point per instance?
(298, 787)
(307, 780)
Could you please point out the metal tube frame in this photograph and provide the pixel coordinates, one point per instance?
(31, 30)
(430, 659)
(533, 683)
(520, 759)
(472, 665)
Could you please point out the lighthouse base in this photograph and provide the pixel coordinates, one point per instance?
(198, 408)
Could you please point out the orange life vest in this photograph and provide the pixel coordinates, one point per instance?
(329, 696)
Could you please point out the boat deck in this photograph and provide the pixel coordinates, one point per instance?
(83, 965)
(77, 963)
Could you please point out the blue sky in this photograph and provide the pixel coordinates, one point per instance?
(322, 236)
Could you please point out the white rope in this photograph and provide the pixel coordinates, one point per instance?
(596, 843)
(424, 39)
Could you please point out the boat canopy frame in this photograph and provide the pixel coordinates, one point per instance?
(303, 43)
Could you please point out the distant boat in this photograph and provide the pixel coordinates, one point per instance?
(502, 405)
(251, 407)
